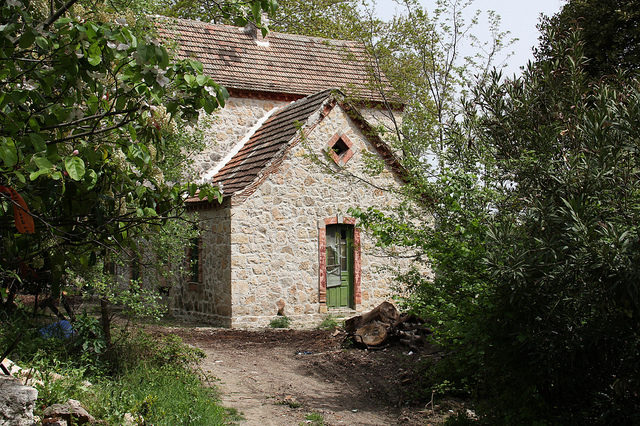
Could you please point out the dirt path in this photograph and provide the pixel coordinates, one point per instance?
(279, 377)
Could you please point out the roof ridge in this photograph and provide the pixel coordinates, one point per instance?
(240, 29)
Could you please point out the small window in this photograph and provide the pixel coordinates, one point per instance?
(193, 259)
(340, 147)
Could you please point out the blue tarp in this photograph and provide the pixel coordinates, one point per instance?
(61, 329)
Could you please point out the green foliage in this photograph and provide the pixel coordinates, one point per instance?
(156, 395)
(609, 30)
(528, 222)
(55, 381)
(154, 378)
(335, 19)
(140, 347)
(563, 257)
(84, 350)
(92, 155)
(314, 419)
(328, 323)
(229, 12)
(281, 321)
(89, 335)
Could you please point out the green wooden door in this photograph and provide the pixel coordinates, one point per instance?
(339, 266)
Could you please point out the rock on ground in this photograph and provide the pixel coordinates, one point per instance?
(72, 411)
(16, 402)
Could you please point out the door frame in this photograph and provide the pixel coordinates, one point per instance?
(322, 260)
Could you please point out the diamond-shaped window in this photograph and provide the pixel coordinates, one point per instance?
(340, 149)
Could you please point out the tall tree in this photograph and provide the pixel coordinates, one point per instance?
(336, 19)
(610, 30)
(562, 256)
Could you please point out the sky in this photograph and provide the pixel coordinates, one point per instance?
(518, 16)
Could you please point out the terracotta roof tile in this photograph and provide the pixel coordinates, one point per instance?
(290, 64)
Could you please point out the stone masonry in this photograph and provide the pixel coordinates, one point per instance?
(262, 249)
(226, 127)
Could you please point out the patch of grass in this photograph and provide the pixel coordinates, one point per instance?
(282, 321)
(329, 323)
(156, 395)
(314, 419)
(155, 379)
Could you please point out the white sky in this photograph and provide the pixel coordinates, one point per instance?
(518, 16)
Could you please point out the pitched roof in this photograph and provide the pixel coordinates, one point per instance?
(287, 64)
(266, 143)
(270, 141)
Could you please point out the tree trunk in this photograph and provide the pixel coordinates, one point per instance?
(384, 323)
(385, 313)
(372, 334)
(105, 319)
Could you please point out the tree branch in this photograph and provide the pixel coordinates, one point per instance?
(53, 18)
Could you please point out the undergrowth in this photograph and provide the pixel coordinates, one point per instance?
(280, 322)
(329, 323)
(156, 380)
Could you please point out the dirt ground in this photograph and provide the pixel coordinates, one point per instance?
(280, 377)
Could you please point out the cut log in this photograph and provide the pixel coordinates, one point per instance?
(372, 334)
(385, 313)
(384, 323)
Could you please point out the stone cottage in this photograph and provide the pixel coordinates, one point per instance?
(290, 152)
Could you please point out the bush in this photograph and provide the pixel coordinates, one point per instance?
(563, 254)
(157, 351)
(328, 323)
(280, 322)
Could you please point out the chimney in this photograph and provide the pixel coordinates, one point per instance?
(255, 33)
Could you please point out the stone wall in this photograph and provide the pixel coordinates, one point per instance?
(226, 127)
(209, 300)
(275, 231)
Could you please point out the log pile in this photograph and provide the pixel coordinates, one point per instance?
(384, 324)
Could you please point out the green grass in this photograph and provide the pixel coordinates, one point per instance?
(314, 419)
(154, 379)
(159, 396)
(329, 323)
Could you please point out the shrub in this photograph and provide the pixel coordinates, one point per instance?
(154, 378)
(280, 322)
(328, 323)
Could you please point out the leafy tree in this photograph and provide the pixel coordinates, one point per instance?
(530, 229)
(335, 19)
(451, 192)
(610, 31)
(562, 254)
(88, 107)
(217, 11)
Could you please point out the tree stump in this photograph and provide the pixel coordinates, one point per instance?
(372, 334)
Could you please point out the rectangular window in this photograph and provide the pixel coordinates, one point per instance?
(193, 260)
